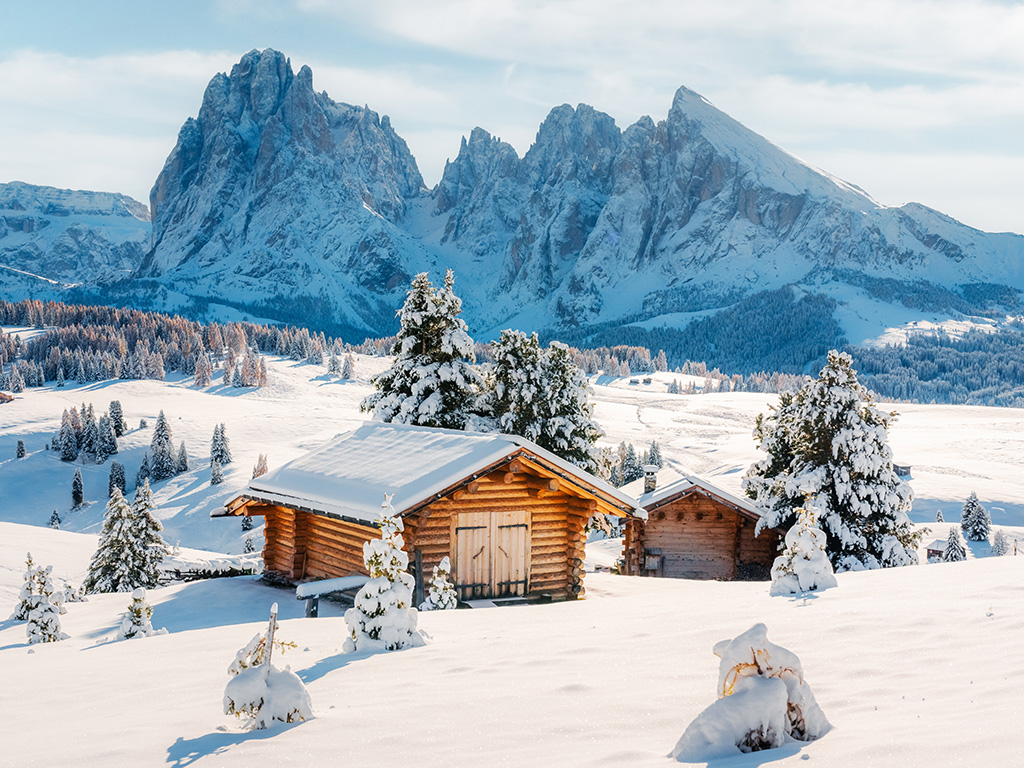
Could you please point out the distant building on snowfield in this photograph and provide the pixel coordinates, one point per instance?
(697, 531)
(509, 514)
(901, 470)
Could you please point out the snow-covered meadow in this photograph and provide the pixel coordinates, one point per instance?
(912, 666)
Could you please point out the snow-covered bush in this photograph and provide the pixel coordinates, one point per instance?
(259, 690)
(955, 551)
(383, 617)
(45, 610)
(441, 595)
(1000, 544)
(803, 565)
(136, 621)
(31, 586)
(975, 520)
(763, 702)
(73, 594)
(830, 443)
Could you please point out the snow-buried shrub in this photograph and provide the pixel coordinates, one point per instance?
(136, 621)
(383, 618)
(260, 690)
(763, 702)
(803, 565)
(441, 594)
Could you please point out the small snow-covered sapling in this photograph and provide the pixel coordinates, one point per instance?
(441, 594)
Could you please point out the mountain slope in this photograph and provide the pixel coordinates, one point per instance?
(53, 237)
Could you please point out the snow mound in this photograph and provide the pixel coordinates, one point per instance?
(268, 694)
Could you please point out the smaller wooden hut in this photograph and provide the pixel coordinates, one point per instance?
(695, 530)
(509, 514)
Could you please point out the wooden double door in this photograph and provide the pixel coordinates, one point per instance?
(492, 554)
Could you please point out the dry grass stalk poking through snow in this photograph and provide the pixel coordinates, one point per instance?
(763, 702)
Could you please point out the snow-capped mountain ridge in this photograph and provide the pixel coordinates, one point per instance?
(279, 199)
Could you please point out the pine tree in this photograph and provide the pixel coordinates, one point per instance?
(829, 442)
(333, 365)
(955, 551)
(568, 430)
(383, 618)
(261, 466)
(151, 547)
(237, 380)
(137, 620)
(31, 586)
(938, 516)
(143, 474)
(441, 594)
(248, 546)
(163, 464)
(1000, 545)
(216, 473)
(45, 609)
(430, 381)
(803, 565)
(654, 455)
(116, 479)
(220, 446)
(77, 490)
(515, 397)
(67, 441)
(90, 432)
(630, 469)
(60, 376)
(348, 370)
(117, 421)
(246, 523)
(19, 450)
(975, 519)
(229, 372)
(55, 520)
(181, 464)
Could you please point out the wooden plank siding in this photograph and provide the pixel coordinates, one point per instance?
(697, 537)
(547, 554)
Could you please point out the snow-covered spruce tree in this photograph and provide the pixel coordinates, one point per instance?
(117, 418)
(803, 565)
(77, 490)
(181, 463)
(431, 381)
(515, 384)
(955, 551)
(45, 610)
(348, 370)
(19, 451)
(61, 380)
(216, 473)
(31, 586)
(567, 428)
(204, 371)
(975, 520)
(237, 379)
(840, 460)
(630, 468)
(383, 618)
(333, 364)
(441, 594)
(137, 620)
(106, 440)
(1000, 545)
(67, 441)
(143, 474)
(55, 520)
(259, 690)
(938, 516)
(220, 446)
(151, 546)
(654, 455)
(163, 464)
(122, 560)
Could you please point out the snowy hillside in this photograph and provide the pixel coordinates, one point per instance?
(52, 238)
(912, 666)
(953, 450)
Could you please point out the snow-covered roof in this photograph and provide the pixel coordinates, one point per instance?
(936, 545)
(349, 475)
(691, 483)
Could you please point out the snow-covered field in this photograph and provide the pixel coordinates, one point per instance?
(913, 667)
(953, 449)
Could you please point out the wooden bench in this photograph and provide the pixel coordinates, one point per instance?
(312, 591)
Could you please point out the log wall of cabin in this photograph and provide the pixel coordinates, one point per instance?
(699, 538)
(557, 520)
(300, 545)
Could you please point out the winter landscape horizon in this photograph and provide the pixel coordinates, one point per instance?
(468, 426)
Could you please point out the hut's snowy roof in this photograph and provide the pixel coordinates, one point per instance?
(349, 475)
(689, 483)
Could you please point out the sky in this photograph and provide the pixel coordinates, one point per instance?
(911, 100)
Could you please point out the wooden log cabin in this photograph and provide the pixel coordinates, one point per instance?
(697, 531)
(509, 514)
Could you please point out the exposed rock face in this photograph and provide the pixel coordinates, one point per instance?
(276, 190)
(66, 236)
